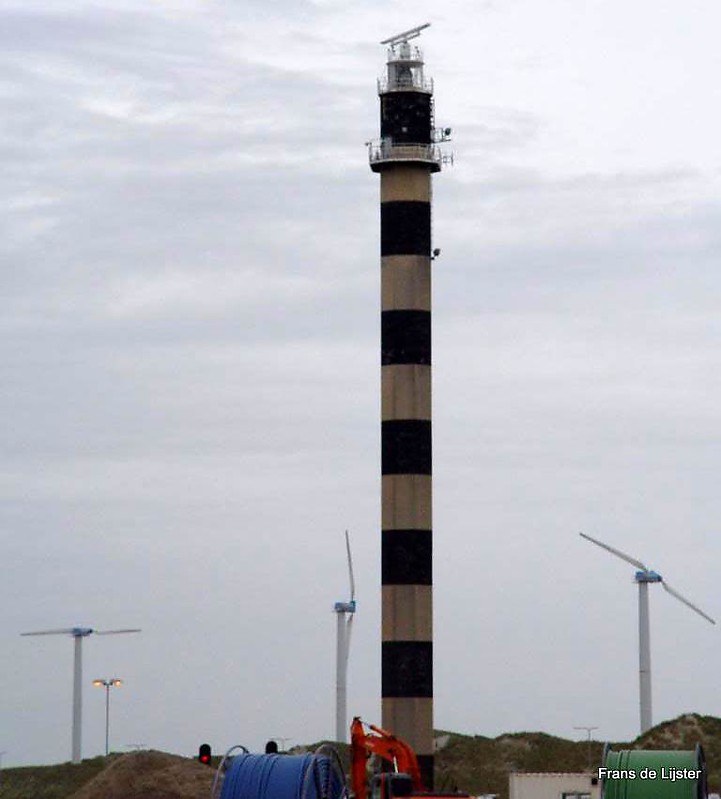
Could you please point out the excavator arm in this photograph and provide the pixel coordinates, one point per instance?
(385, 745)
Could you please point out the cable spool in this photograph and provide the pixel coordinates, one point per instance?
(654, 774)
(223, 766)
(315, 776)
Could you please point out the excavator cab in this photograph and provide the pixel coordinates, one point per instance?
(390, 784)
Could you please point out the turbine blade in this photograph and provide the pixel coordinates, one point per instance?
(350, 567)
(616, 552)
(64, 631)
(115, 632)
(686, 602)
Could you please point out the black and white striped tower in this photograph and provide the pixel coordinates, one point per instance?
(405, 157)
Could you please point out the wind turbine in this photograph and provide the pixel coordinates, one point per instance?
(344, 612)
(643, 577)
(78, 633)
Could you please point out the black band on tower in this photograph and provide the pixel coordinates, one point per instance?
(405, 337)
(405, 228)
(406, 557)
(406, 446)
(406, 117)
(407, 669)
(425, 764)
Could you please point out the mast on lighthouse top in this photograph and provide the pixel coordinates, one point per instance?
(407, 131)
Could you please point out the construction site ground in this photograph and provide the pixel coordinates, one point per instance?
(473, 763)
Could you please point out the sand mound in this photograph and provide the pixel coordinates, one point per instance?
(150, 775)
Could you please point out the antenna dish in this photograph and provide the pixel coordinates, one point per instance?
(406, 35)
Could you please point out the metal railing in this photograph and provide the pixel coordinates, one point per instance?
(406, 83)
(384, 151)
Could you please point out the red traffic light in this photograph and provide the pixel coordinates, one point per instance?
(204, 753)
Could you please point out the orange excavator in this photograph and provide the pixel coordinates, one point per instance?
(403, 781)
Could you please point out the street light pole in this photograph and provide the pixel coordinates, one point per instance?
(113, 682)
(588, 730)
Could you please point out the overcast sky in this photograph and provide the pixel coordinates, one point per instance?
(190, 359)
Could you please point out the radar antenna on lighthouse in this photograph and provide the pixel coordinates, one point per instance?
(406, 35)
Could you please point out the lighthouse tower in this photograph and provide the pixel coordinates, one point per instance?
(405, 157)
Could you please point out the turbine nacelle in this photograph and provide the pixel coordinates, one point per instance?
(648, 576)
(344, 607)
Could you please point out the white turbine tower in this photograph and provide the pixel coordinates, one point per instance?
(643, 577)
(344, 612)
(78, 633)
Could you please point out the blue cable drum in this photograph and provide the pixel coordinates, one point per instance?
(282, 777)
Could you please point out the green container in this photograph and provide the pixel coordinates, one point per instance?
(653, 774)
